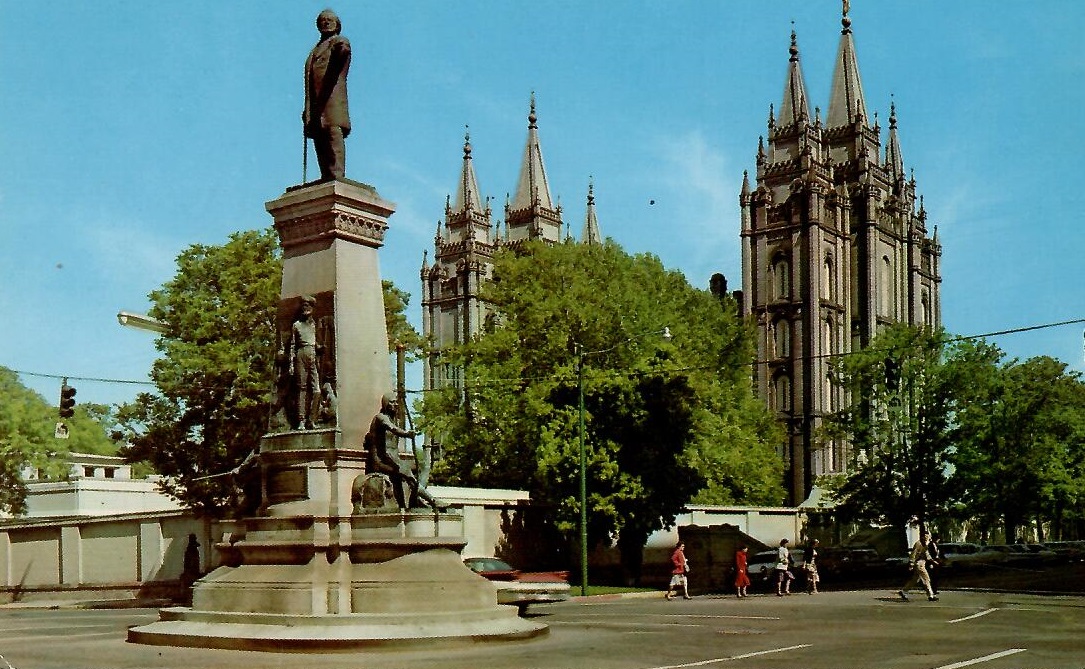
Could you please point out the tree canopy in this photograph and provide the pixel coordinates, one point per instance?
(216, 373)
(27, 426)
(944, 429)
(1021, 447)
(905, 391)
(667, 422)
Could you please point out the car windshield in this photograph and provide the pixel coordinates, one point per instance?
(487, 564)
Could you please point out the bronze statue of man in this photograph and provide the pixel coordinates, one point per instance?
(384, 457)
(302, 361)
(325, 118)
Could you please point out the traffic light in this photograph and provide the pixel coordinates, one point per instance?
(892, 374)
(67, 400)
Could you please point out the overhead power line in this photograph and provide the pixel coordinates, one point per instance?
(998, 333)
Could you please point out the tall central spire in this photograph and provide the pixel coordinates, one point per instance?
(847, 103)
(532, 186)
(467, 195)
(531, 213)
(795, 106)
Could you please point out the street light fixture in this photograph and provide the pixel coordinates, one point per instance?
(141, 322)
(580, 355)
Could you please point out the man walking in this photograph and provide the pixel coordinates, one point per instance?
(917, 561)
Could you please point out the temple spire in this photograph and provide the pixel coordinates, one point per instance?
(532, 214)
(794, 107)
(532, 186)
(591, 234)
(846, 104)
(894, 161)
(467, 193)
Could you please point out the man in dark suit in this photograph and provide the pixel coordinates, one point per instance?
(326, 119)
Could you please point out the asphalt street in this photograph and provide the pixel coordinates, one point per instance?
(865, 628)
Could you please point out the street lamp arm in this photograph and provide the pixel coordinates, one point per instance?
(141, 322)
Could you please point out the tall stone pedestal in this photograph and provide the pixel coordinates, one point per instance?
(309, 573)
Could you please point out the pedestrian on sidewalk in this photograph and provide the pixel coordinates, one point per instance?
(917, 561)
(811, 567)
(679, 571)
(784, 577)
(934, 564)
(742, 576)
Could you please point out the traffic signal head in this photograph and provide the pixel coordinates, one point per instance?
(67, 401)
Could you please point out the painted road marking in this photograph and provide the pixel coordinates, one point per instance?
(733, 657)
(974, 615)
(985, 658)
(693, 615)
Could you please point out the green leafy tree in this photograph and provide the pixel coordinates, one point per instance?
(1020, 448)
(906, 390)
(216, 372)
(27, 425)
(666, 421)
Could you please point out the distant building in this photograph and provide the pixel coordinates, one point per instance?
(835, 247)
(452, 309)
(97, 485)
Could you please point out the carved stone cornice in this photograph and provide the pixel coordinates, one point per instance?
(339, 209)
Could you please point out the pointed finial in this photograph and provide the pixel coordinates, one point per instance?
(845, 21)
(772, 115)
(591, 190)
(531, 118)
(794, 48)
(892, 112)
(467, 142)
(745, 182)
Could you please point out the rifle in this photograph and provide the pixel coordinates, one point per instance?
(214, 476)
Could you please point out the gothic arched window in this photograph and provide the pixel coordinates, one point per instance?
(782, 388)
(886, 292)
(781, 333)
(828, 279)
(781, 278)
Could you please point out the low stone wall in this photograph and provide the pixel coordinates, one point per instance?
(142, 554)
(113, 556)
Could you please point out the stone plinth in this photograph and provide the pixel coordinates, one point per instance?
(322, 583)
(330, 233)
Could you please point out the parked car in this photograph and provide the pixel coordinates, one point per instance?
(850, 563)
(1042, 556)
(1067, 551)
(963, 555)
(1012, 555)
(521, 588)
(761, 568)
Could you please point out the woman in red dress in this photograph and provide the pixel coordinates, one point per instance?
(742, 579)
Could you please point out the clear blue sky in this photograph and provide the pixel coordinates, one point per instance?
(131, 130)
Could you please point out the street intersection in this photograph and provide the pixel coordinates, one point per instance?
(862, 628)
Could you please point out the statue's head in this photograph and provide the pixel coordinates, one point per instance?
(307, 305)
(327, 22)
(389, 404)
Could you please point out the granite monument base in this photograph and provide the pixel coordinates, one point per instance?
(309, 584)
